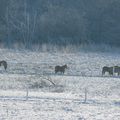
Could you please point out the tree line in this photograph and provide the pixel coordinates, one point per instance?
(59, 22)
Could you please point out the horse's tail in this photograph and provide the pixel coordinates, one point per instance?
(103, 72)
(5, 65)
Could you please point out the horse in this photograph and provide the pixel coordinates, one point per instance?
(117, 70)
(107, 69)
(4, 63)
(60, 68)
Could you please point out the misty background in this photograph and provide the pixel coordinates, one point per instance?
(59, 22)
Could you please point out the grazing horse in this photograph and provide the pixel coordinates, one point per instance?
(60, 68)
(107, 69)
(4, 63)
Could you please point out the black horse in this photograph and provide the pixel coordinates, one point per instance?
(60, 68)
(4, 63)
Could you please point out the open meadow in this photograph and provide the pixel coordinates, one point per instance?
(30, 89)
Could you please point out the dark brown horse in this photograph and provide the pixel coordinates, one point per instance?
(107, 69)
(4, 63)
(60, 68)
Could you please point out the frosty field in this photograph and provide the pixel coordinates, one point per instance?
(26, 91)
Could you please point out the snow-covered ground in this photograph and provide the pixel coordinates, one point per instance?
(26, 92)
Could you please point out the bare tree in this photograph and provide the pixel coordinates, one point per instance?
(25, 25)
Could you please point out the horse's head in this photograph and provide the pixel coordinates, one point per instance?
(65, 66)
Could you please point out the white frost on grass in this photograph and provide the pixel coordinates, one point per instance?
(65, 100)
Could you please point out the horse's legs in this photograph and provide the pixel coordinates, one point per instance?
(56, 71)
(103, 72)
(110, 73)
(63, 71)
(118, 73)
